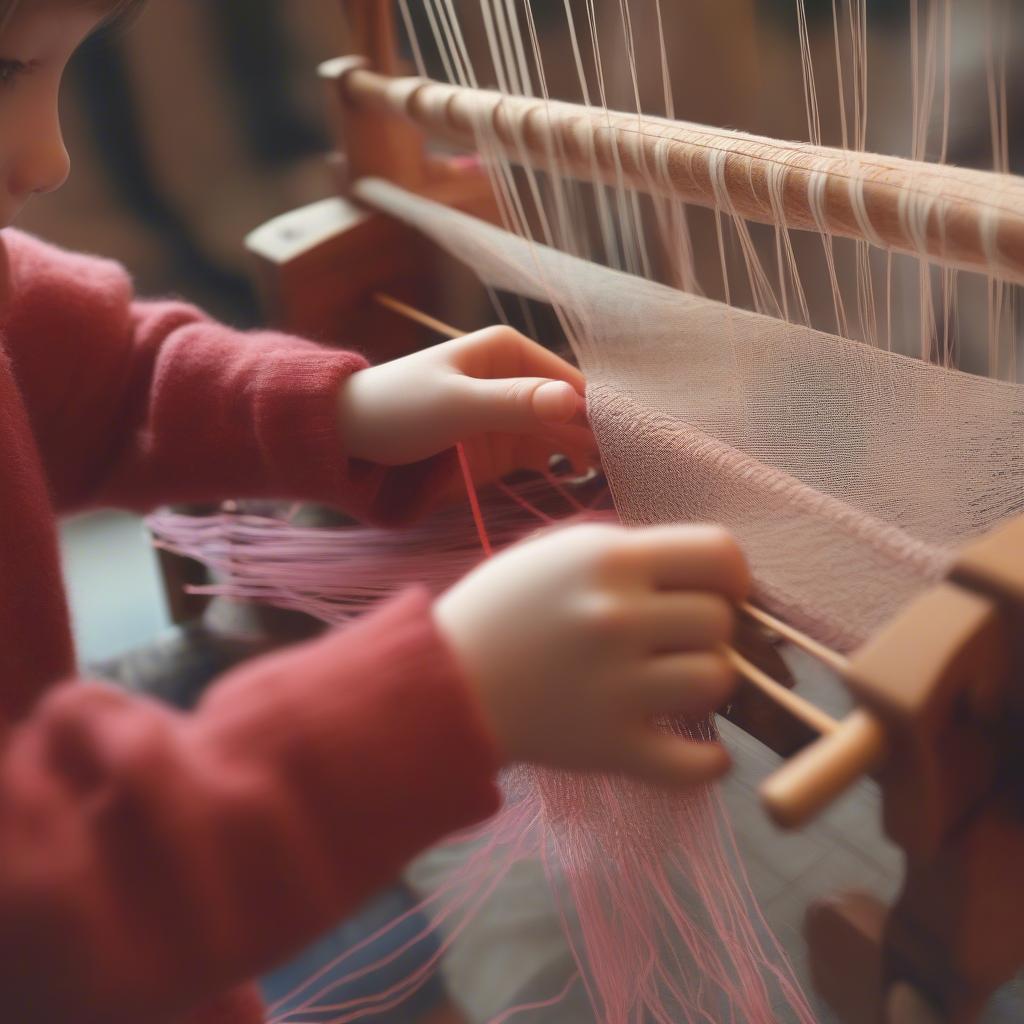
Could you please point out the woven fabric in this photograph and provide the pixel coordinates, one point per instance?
(850, 474)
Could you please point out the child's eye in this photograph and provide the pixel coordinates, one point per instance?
(11, 71)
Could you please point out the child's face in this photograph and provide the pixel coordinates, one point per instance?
(35, 47)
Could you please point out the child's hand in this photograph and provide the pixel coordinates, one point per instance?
(578, 641)
(515, 402)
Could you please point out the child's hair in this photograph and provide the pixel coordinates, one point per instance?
(109, 8)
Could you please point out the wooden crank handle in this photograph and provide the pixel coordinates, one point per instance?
(807, 783)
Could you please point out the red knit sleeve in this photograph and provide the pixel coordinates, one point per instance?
(149, 860)
(136, 404)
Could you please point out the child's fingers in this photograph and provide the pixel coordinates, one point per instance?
(693, 557)
(555, 402)
(685, 684)
(667, 622)
(667, 760)
(503, 352)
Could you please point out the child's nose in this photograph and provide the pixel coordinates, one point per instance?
(53, 170)
(45, 164)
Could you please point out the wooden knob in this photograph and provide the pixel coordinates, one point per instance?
(906, 1005)
(806, 784)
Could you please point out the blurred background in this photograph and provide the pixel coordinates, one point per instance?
(188, 126)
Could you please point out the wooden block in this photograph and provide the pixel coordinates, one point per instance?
(917, 675)
(995, 563)
(957, 930)
(318, 268)
(844, 935)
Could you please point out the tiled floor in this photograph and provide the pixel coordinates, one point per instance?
(116, 598)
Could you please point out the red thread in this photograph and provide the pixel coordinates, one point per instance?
(474, 501)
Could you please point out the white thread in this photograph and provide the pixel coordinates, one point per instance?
(855, 185)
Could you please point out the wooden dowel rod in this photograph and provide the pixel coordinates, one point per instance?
(798, 706)
(833, 659)
(973, 220)
(416, 315)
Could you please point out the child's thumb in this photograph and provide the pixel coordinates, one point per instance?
(520, 404)
(524, 403)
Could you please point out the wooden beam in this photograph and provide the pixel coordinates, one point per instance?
(973, 220)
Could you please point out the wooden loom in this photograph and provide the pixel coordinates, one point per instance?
(940, 690)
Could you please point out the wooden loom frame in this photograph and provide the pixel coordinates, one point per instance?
(940, 688)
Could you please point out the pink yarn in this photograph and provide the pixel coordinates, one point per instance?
(336, 574)
(648, 885)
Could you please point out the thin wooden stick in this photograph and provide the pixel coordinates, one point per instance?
(833, 659)
(417, 315)
(969, 219)
(446, 330)
(808, 713)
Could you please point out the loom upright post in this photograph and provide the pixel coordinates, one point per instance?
(372, 28)
(374, 143)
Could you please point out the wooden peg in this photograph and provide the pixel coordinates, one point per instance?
(914, 681)
(806, 784)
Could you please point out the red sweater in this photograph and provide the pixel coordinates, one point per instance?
(152, 861)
